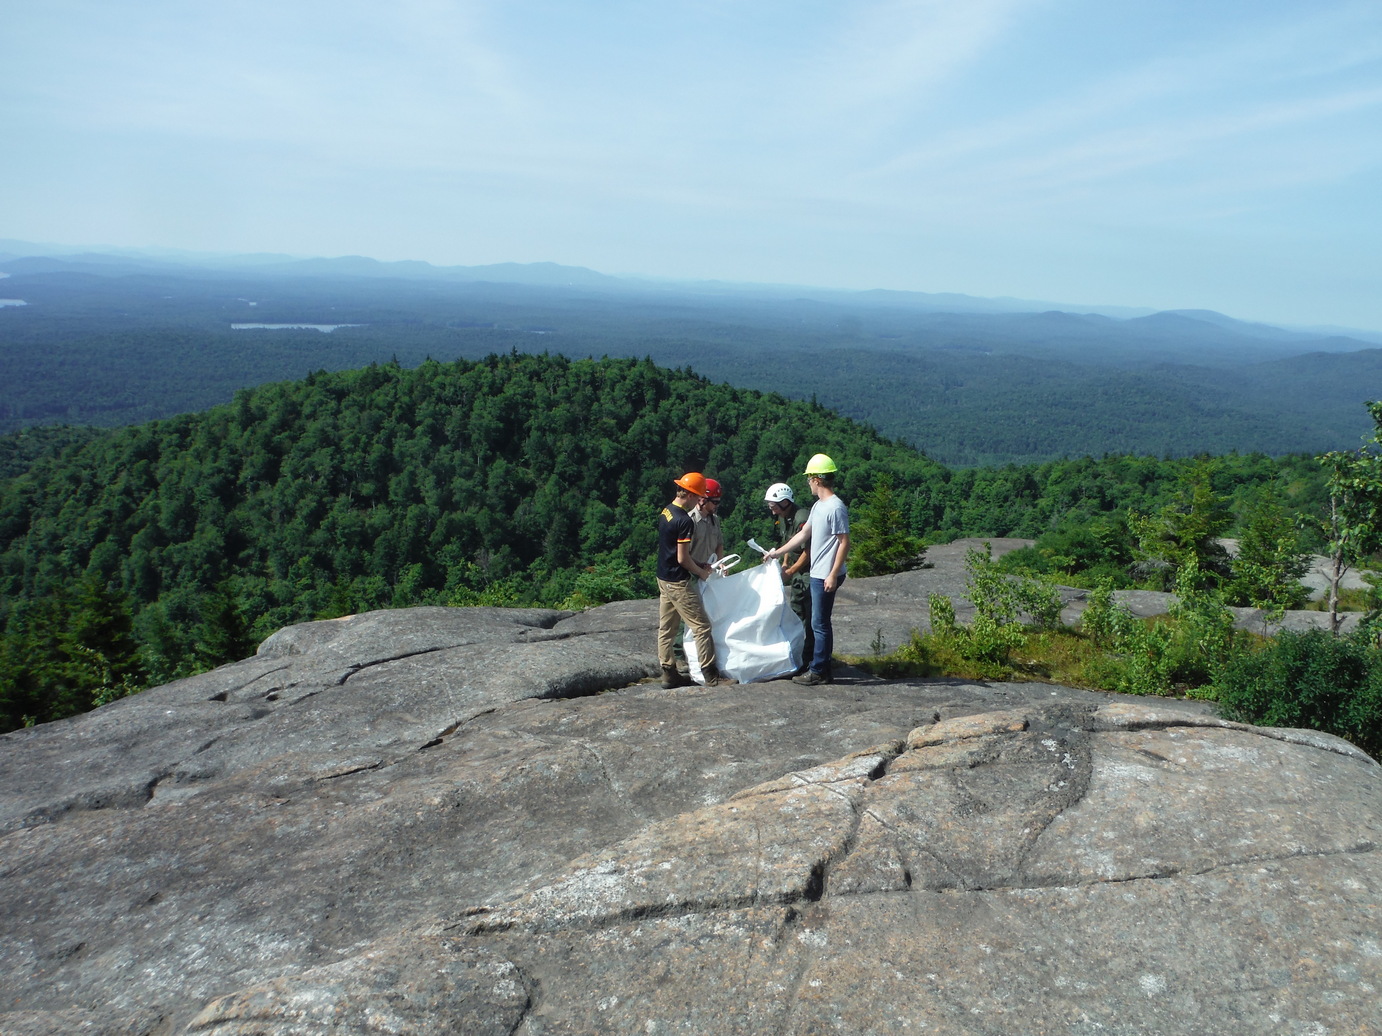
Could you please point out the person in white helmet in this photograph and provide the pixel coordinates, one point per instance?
(827, 532)
(788, 520)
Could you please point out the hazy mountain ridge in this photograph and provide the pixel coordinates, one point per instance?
(23, 256)
(112, 339)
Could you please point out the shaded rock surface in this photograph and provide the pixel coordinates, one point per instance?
(493, 821)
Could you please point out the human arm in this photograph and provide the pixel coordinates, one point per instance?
(803, 559)
(686, 561)
(832, 581)
(795, 543)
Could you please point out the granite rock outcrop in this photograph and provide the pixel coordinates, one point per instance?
(496, 821)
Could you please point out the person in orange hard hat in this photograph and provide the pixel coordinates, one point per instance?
(678, 598)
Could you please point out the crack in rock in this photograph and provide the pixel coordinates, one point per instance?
(628, 886)
(451, 728)
(360, 667)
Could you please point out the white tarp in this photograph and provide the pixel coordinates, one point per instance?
(757, 635)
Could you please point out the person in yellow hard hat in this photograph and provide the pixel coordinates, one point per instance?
(827, 533)
(678, 599)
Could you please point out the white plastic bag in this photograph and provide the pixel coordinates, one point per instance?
(757, 635)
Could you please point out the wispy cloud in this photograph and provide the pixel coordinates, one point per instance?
(1267, 107)
(898, 55)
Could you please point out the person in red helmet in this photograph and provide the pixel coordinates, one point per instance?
(706, 539)
(678, 598)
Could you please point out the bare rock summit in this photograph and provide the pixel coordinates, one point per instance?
(489, 821)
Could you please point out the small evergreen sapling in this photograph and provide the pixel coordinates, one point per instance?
(880, 542)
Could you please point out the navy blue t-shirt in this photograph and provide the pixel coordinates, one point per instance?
(674, 526)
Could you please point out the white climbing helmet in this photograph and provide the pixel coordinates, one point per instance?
(779, 491)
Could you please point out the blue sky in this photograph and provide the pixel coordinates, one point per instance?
(1217, 154)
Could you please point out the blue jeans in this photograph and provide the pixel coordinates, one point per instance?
(822, 605)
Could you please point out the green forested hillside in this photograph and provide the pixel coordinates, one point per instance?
(516, 479)
(501, 480)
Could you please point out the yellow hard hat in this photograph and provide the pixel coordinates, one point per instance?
(820, 464)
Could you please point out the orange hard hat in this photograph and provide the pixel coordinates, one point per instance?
(693, 482)
(712, 489)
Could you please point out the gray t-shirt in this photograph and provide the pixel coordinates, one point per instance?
(829, 518)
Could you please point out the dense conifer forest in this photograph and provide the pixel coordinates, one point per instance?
(134, 555)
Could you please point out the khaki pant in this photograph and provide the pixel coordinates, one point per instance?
(683, 601)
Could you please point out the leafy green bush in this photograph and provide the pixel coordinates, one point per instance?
(1181, 652)
(942, 615)
(1147, 661)
(990, 641)
(602, 583)
(1308, 679)
(1204, 637)
(1079, 553)
(1104, 621)
(1000, 604)
(982, 649)
(508, 592)
(1004, 600)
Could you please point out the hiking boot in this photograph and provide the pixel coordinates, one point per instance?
(810, 678)
(672, 677)
(720, 680)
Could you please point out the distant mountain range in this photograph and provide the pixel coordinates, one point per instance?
(113, 337)
(31, 257)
